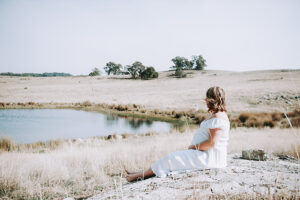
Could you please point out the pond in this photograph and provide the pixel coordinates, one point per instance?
(32, 125)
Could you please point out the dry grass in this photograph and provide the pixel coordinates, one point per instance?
(85, 167)
(263, 119)
(86, 103)
(271, 140)
(274, 90)
(6, 144)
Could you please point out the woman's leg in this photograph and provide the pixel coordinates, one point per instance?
(140, 175)
(128, 172)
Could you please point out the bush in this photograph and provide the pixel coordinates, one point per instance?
(271, 124)
(295, 122)
(243, 117)
(259, 120)
(135, 69)
(6, 144)
(179, 73)
(149, 73)
(2, 104)
(276, 116)
(121, 107)
(138, 70)
(254, 123)
(86, 103)
(95, 72)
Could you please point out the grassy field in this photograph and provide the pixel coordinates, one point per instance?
(85, 167)
(82, 168)
(254, 91)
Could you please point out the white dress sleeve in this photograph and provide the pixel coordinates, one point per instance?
(217, 123)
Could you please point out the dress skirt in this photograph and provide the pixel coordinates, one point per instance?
(181, 161)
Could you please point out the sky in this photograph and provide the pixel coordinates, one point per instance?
(76, 36)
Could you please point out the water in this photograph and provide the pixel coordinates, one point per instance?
(32, 125)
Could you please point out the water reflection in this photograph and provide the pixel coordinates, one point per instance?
(112, 120)
(31, 125)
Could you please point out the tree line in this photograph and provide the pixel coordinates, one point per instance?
(46, 74)
(138, 70)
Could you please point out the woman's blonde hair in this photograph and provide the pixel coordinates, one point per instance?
(215, 97)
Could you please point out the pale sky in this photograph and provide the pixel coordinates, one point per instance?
(75, 36)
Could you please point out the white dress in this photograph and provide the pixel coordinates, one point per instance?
(189, 160)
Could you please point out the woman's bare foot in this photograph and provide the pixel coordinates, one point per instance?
(131, 178)
(139, 175)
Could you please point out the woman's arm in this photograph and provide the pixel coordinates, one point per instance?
(210, 143)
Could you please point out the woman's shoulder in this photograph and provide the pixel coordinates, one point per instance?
(217, 122)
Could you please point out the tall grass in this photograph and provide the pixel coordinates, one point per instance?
(264, 119)
(6, 144)
(86, 167)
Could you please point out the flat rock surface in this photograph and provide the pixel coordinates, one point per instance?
(241, 177)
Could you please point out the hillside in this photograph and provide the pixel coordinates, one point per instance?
(269, 90)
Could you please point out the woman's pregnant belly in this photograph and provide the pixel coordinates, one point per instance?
(199, 137)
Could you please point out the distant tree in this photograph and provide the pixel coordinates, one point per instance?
(179, 73)
(199, 62)
(149, 73)
(136, 69)
(95, 72)
(181, 63)
(46, 74)
(125, 70)
(113, 68)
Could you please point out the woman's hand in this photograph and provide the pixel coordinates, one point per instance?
(192, 147)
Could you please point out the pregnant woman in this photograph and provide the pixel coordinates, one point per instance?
(208, 148)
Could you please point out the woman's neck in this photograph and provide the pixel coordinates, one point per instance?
(220, 114)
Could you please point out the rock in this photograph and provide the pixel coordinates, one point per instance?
(254, 154)
(69, 198)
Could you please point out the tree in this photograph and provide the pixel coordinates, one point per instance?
(181, 63)
(95, 72)
(113, 68)
(199, 62)
(136, 69)
(179, 73)
(149, 73)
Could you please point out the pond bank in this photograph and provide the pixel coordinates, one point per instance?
(180, 117)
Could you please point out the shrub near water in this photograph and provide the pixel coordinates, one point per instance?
(6, 144)
(262, 119)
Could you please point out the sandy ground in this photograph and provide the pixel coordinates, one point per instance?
(273, 90)
(242, 179)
